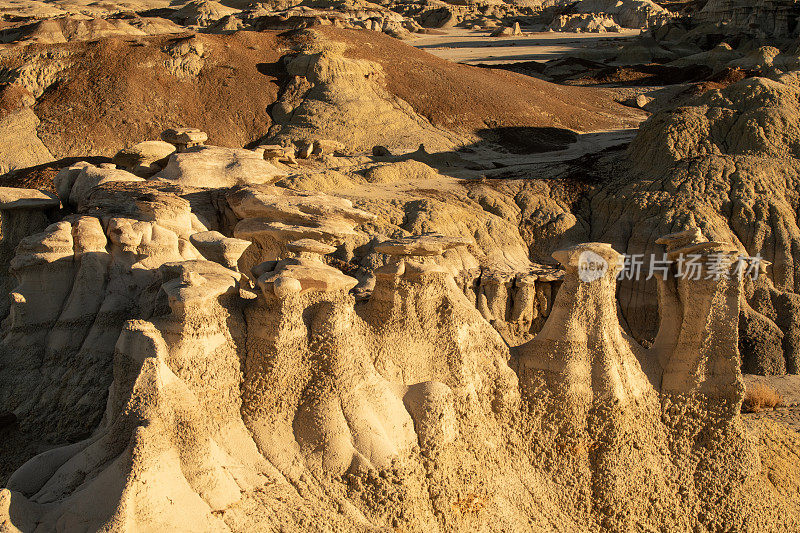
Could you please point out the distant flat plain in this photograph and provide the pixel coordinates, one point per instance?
(477, 46)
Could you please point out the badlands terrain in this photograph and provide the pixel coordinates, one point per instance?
(353, 266)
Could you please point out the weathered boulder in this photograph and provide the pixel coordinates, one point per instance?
(77, 182)
(217, 247)
(145, 158)
(214, 166)
(507, 31)
(184, 138)
(302, 274)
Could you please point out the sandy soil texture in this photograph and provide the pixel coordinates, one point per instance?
(476, 46)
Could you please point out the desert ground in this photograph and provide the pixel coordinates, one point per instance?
(399, 266)
(478, 47)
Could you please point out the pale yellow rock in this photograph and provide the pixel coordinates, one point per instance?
(20, 146)
(90, 176)
(453, 385)
(213, 166)
(216, 247)
(310, 246)
(145, 158)
(14, 198)
(310, 275)
(184, 138)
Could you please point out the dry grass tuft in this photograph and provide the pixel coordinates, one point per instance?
(759, 397)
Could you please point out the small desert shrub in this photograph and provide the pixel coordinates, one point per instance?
(760, 396)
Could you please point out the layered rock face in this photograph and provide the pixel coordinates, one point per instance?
(776, 18)
(231, 372)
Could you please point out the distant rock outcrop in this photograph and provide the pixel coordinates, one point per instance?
(627, 13)
(774, 18)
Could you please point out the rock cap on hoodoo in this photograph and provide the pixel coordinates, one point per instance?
(296, 275)
(196, 283)
(680, 239)
(691, 241)
(573, 256)
(310, 246)
(184, 136)
(218, 248)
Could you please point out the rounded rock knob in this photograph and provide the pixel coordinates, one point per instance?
(283, 287)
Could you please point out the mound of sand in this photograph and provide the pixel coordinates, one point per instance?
(140, 87)
(467, 99)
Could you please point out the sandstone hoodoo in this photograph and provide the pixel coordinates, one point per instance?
(284, 378)
(338, 266)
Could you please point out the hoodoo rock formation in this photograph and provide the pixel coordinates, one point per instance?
(264, 378)
(265, 266)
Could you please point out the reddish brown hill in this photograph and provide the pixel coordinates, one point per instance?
(120, 91)
(113, 92)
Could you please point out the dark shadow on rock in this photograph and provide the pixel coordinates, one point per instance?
(441, 161)
(574, 154)
(274, 69)
(529, 68)
(164, 13)
(529, 140)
